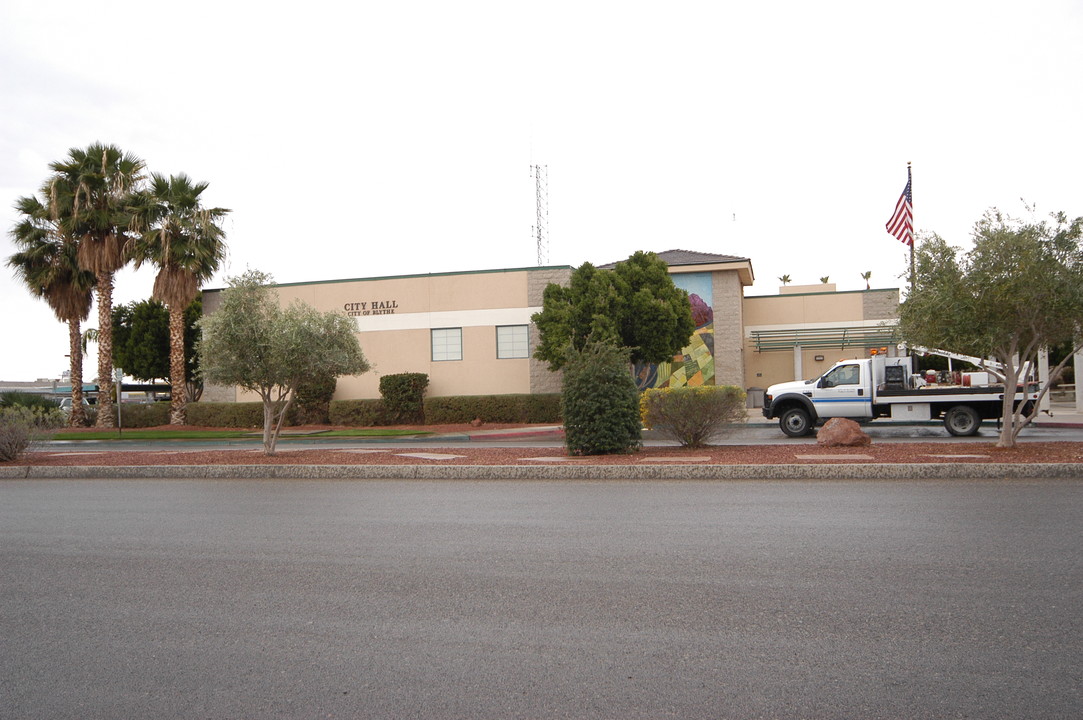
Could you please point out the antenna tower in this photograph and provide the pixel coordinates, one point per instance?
(540, 231)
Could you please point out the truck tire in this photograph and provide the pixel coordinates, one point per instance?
(962, 420)
(795, 422)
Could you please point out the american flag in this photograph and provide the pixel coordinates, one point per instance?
(901, 224)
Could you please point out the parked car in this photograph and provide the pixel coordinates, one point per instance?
(65, 405)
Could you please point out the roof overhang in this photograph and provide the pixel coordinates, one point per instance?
(743, 268)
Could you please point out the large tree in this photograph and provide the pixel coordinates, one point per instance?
(251, 342)
(141, 339)
(47, 263)
(101, 179)
(141, 342)
(1018, 290)
(635, 305)
(186, 243)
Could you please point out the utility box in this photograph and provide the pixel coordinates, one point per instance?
(911, 411)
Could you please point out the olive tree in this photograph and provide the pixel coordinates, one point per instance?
(251, 342)
(1019, 289)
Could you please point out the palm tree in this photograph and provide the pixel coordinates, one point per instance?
(865, 276)
(101, 179)
(785, 280)
(183, 239)
(47, 263)
(825, 279)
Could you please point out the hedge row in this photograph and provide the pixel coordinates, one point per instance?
(146, 415)
(454, 410)
(361, 413)
(358, 413)
(493, 408)
(231, 415)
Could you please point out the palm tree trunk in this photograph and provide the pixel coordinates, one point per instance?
(75, 352)
(178, 404)
(105, 351)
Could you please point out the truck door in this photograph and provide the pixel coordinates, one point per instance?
(842, 392)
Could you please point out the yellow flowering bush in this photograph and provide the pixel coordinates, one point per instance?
(692, 415)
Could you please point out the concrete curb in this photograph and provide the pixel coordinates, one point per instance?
(849, 471)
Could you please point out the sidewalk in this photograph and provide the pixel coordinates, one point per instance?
(1061, 414)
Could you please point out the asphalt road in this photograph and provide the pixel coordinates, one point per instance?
(410, 599)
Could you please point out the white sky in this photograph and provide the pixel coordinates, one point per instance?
(376, 138)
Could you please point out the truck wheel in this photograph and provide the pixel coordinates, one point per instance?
(795, 422)
(962, 420)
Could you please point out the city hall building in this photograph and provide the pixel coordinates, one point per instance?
(470, 332)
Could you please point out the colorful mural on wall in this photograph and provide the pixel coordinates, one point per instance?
(695, 365)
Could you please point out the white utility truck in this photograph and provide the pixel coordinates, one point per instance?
(883, 387)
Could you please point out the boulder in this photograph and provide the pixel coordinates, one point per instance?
(842, 432)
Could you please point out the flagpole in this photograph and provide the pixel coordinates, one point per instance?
(913, 266)
(901, 224)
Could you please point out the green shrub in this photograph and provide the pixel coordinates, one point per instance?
(403, 396)
(357, 413)
(458, 409)
(29, 400)
(23, 425)
(692, 415)
(312, 401)
(143, 415)
(369, 413)
(236, 415)
(600, 401)
(542, 408)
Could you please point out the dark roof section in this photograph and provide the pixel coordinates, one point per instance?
(687, 257)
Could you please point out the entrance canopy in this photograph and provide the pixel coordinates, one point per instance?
(823, 337)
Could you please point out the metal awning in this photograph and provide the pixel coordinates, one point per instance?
(837, 337)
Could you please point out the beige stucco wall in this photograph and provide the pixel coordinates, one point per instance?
(413, 294)
(395, 317)
(809, 307)
(478, 373)
(803, 309)
(215, 393)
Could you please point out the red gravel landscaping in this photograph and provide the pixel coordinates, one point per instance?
(290, 453)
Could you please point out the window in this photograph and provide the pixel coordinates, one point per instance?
(447, 344)
(512, 341)
(842, 375)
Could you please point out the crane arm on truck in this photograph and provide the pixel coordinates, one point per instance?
(991, 366)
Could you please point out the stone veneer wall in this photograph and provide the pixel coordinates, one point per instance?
(542, 380)
(728, 305)
(215, 393)
(880, 304)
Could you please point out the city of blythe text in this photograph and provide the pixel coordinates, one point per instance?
(376, 307)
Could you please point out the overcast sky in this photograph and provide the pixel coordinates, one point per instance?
(373, 139)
